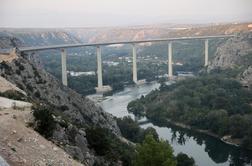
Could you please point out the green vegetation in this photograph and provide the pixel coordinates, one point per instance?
(108, 145)
(131, 130)
(215, 102)
(184, 160)
(12, 94)
(150, 150)
(152, 153)
(45, 123)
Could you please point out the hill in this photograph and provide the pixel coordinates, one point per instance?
(63, 116)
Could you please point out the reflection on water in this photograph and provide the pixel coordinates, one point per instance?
(206, 150)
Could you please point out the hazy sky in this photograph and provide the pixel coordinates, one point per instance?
(86, 13)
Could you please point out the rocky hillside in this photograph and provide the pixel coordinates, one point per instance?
(35, 37)
(7, 42)
(21, 145)
(156, 31)
(236, 54)
(73, 113)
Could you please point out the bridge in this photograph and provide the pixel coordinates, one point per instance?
(100, 87)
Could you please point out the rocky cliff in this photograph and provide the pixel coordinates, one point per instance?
(236, 54)
(74, 113)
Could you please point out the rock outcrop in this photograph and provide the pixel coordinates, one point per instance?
(236, 53)
(246, 77)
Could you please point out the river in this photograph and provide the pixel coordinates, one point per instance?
(206, 150)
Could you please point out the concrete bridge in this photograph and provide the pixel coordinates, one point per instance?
(100, 87)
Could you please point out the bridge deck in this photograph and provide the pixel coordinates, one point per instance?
(41, 48)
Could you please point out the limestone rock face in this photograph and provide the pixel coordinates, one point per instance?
(80, 111)
(246, 77)
(235, 53)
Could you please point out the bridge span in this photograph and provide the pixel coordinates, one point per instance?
(100, 87)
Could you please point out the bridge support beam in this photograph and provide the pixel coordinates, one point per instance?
(99, 69)
(170, 74)
(63, 67)
(206, 52)
(134, 60)
(29, 55)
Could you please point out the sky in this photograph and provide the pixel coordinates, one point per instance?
(100, 13)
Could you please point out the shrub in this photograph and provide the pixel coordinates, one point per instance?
(154, 153)
(12, 94)
(133, 132)
(64, 107)
(108, 145)
(129, 128)
(18, 72)
(184, 160)
(21, 67)
(45, 123)
(37, 94)
(98, 140)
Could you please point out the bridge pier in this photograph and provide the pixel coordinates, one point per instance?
(63, 67)
(170, 74)
(100, 87)
(134, 60)
(206, 52)
(99, 68)
(29, 54)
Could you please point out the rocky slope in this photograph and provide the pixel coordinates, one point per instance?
(74, 113)
(236, 54)
(21, 145)
(35, 37)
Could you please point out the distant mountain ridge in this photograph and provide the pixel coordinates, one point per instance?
(36, 38)
(30, 37)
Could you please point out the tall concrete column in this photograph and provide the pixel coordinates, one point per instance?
(63, 67)
(170, 60)
(29, 54)
(99, 68)
(206, 52)
(134, 60)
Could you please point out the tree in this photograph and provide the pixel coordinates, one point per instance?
(151, 131)
(45, 123)
(184, 160)
(154, 153)
(129, 128)
(238, 126)
(247, 141)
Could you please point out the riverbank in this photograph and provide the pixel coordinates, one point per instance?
(225, 139)
(205, 149)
